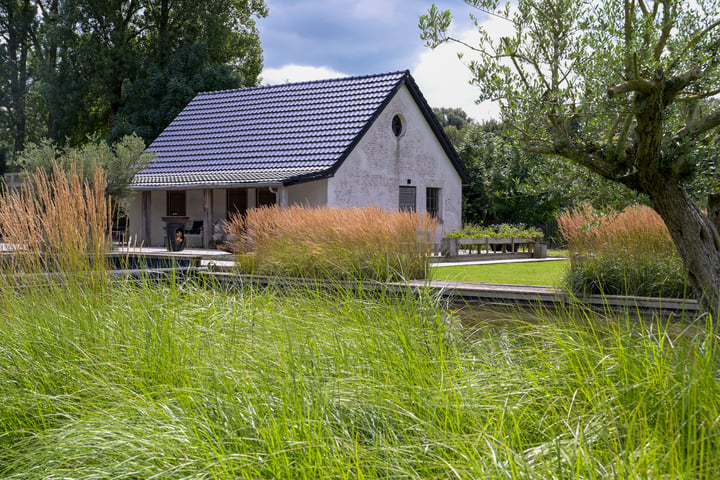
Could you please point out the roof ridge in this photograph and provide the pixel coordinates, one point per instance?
(306, 82)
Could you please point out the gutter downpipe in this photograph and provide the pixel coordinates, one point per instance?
(281, 197)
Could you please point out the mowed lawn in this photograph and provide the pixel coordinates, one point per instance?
(548, 273)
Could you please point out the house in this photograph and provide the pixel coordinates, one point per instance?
(347, 142)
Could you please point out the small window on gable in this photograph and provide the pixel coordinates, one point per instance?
(432, 202)
(398, 126)
(407, 199)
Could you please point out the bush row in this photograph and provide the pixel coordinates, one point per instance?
(496, 231)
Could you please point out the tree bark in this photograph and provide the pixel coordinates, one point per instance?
(696, 239)
(714, 209)
(18, 18)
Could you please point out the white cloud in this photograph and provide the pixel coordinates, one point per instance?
(444, 81)
(444, 78)
(297, 73)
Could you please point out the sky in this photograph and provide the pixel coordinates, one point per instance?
(318, 39)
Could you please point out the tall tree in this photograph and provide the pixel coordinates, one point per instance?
(16, 22)
(616, 87)
(189, 47)
(454, 122)
(79, 68)
(456, 117)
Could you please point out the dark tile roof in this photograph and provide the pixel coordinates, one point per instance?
(275, 134)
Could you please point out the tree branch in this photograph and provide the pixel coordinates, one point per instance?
(628, 39)
(692, 42)
(586, 157)
(622, 155)
(675, 84)
(667, 26)
(632, 181)
(698, 128)
(38, 47)
(464, 44)
(635, 85)
(699, 96)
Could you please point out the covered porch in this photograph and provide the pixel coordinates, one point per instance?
(203, 209)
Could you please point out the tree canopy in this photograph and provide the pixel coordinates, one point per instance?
(72, 69)
(119, 162)
(623, 88)
(510, 185)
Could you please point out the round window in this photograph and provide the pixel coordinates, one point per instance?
(398, 125)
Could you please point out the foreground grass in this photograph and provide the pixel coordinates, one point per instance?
(523, 273)
(179, 381)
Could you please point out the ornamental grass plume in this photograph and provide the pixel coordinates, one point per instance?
(622, 253)
(56, 222)
(636, 228)
(338, 243)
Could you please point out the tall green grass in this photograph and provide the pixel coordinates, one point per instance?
(622, 253)
(182, 380)
(333, 243)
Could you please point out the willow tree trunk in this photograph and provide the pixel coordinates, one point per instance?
(697, 240)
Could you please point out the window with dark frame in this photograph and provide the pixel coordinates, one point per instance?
(407, 199)
(176, 203)
(432, 202)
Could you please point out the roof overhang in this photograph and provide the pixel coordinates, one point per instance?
(226, 179)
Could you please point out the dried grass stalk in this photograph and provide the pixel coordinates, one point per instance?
(56, 221)
(357, 243)
(637, 229)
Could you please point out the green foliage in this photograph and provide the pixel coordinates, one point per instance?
(624, 89)
(453, 117)
(184, 381)
(152, 101)
(456, 136)
(119, 162)
(455, 123)
(96, 68)
(496, 231)
(510, 185)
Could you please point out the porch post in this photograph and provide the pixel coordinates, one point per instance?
(282, 196)
(145, 227)
(207, 217)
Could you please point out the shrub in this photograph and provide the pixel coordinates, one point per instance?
(496, 231)
(357, 243)
(622, 253)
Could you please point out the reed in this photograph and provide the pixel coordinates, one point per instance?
(350, 243)
(622, 253)
(55, 223)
